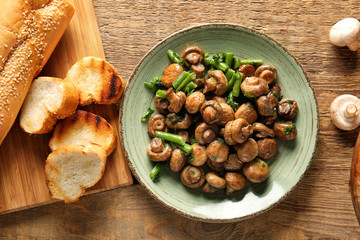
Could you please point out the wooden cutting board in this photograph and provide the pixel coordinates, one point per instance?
(22, 157)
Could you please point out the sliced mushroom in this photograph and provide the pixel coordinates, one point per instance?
(211, 111)
(233, 163)
(227, 114)
(285, 130)
(234, 182)
(156, 123)
(162, 105)
(247, 112)
(267, 148)
(267, 105)
(217, 151)
(256, 171)
(192, 177)
(262, 131)
(170, 74)
(193, 55)
(206, 133)
(177, 161)
(194, 102)
(178, 121)
(216, 82)
(215, 166)
(287, 108)
(247, 70)
(344, 112)
(176, 100)
(157, 151)
(215, 180)
(198, 69)
(254, 87)
(267, 72)
(247, 151)
(199, 156)
(237, 131)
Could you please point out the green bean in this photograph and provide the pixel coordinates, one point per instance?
(231, 82)
(255, 62)
(155, 172)
(188, 79)
(154, 84)
(170, 137)
(190, 87)
(219, 65)
(236, 63)
(229, 74)
(236, 88)
(231, 101)
(182, 76)
(147, 115)
(160, 93)
(228, 58)
(174, 57)
(187, 148)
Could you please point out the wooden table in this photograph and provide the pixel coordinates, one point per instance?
(319, 208)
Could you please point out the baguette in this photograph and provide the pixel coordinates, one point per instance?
(71, 169)
(29, 32)
(48, 100)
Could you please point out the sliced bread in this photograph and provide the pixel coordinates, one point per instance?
(71, 169)
(97, 81)
(48, 99)
(84, 128)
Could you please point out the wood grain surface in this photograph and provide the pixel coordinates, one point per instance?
(319, 208)
(22, 157)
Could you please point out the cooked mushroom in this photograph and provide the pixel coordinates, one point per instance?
(237, 131)
(211, 111)
(285, 130)
(156, 123)
(227, 114)
(247, 151)
(247, 70)
(194, 102)
(176, 100)
(157, 151)
(162, 105)
(178, 121)
(199, 156)
(233, 163)
(184, 134)
(198, 69)
(192, 177)
(192, 55)
(276, 90)
(216, 82)
(254, 87)
(267, 105)
(221, 132)
(215, 180)
(344, 112)
(269, 121)
(215, 166)
(234, 182)
(177, 160)
(267, 72)
(247, 112)
(219, 99)
(206, 133)
(170, 74)
(346, 33)
(267, 148)
(262, 131)
(209, 189)
(217, 151)
(287, 108)
(256, 171)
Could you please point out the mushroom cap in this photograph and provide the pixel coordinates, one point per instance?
(343, 114)
(345, 32)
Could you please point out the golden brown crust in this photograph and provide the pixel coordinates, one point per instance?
(29, 31)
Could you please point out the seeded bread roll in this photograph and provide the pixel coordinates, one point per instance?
(29, 32)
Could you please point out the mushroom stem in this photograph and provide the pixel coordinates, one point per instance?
(354, 46)
(350, 110)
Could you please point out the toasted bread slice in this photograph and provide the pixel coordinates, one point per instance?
(84, 128)
(71, 169)
(48, 99)
(97, 81)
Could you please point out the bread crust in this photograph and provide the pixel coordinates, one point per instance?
(29, 31)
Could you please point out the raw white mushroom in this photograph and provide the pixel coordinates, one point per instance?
(344, 111)
(346, 32)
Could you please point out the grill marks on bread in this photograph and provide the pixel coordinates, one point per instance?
(97, 80)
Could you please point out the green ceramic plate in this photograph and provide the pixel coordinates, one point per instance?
(287, 167)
